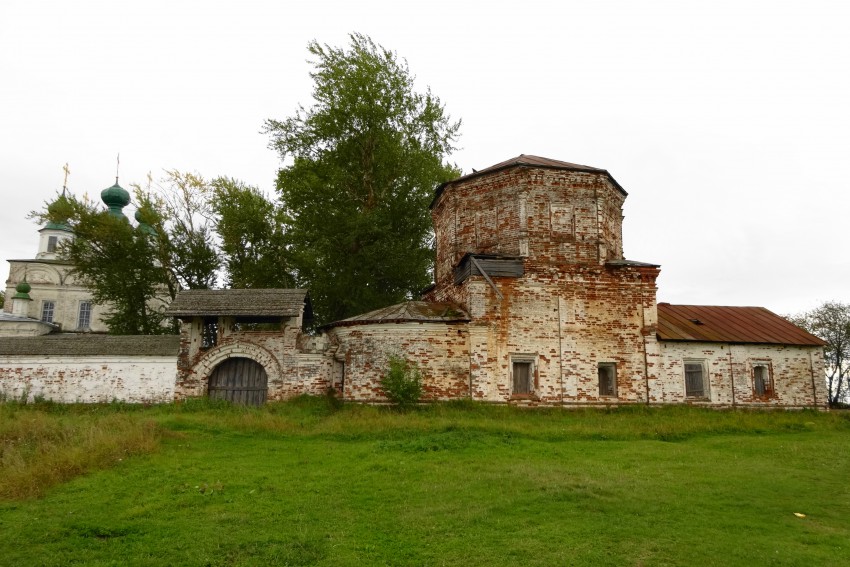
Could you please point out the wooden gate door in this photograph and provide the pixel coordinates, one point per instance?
(239, 380)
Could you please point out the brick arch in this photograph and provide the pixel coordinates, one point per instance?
(215, 356)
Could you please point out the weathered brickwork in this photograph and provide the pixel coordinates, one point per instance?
(440, 351)
(69, 379)
(552, 216)
(579, 305)
(570, 311)
(794, 375)
(291, 369)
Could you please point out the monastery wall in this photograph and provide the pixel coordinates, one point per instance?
(88, 379)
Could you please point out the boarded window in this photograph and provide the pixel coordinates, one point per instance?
(84, 317)
(561, 219)
(761, 380)
(522, 377)
(486, 229)
(607, 379)
(695, 380)
(47, 311)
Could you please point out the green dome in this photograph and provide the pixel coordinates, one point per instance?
(116, 198)
(23, 290)
(141, 216)
(58, 226)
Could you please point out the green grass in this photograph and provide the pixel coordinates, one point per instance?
(309, 482)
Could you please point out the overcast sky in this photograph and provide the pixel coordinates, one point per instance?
(728, 123)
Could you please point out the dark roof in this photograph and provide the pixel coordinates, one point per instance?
(409, 311)
(714, 324)
(240, 303)
(79, 344)
(523, 160)
(632, 263)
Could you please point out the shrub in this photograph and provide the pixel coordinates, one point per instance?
(402, 382)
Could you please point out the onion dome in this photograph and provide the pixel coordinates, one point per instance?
(142, 216)
(116, 198)
(22, 291)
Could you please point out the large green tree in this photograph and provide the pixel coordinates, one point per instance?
(363, 162)
(250, 229)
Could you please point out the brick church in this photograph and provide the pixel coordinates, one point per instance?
(533, 303)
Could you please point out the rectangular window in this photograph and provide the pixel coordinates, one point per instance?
(84, 317)
(209, 333)
(695, 385)
(47, 309)
(608, 379)
(522, 376)
(762, 383)
(51, 243)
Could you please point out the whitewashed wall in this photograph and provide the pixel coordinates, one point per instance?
(89, 379)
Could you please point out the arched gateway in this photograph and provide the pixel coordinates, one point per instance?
(239, 380)
(240, 345)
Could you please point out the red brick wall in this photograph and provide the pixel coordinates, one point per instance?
(440, 350)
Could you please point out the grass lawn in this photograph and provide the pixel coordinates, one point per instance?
(308, 482)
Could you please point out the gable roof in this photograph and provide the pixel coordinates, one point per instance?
(715, 324)
(409, 311)
(523, 160)
(86, 344)
(241, 302)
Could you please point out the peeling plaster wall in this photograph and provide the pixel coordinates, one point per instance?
(566, 321)
(69, 379)
(440, 350)
(796, 373)
(569, 312)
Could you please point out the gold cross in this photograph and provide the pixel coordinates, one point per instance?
(67, 171)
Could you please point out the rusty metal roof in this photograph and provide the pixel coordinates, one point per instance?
(240, 303)
(409, 311)
(715, 324)
(523, 160)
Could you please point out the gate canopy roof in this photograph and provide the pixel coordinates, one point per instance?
(240, 303)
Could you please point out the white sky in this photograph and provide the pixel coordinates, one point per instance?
(727, 122)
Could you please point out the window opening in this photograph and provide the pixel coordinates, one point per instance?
(51, 243)
(607, 379)
(522, 375)
(761, 380)
(695, 380)
(84, 318)
(209, 333)
(47, 311)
